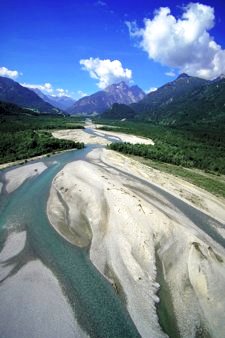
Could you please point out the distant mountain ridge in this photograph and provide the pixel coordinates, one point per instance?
(61, 102)
(12, 92)
(204, 105)
(102, 100)
(168, 93)
(185, 101)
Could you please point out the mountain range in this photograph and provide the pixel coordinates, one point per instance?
(12, 92)
(61, 102)
(184, 101)
(168, 94)
(98, 102)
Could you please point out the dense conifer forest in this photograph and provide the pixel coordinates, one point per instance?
(24, 134)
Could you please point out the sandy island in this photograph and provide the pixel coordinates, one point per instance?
(34, 304)
(103, 203)
(16, 177)
(106, 203)
(99, 136)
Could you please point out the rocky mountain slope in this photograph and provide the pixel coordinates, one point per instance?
(185, 101)
(102, 100)
(12, 92)
(60, 102)
(192, 101)
(167, 94)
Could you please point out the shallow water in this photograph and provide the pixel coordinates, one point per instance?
(96, 306)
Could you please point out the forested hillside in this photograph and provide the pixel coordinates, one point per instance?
(192, 148)
(24, 135)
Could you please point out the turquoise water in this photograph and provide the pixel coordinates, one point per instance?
(99, 311)
(95, 304)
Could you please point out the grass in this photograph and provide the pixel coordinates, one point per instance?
(206, 147)
(209, 182)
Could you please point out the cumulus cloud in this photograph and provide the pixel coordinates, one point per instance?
(81, 93)
(150, 90)
(46, 87)
(170, 73)
(183, 43)
(62, 92)
(106, 71)
(9, 73)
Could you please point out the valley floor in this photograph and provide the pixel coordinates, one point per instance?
(95, 136)
(158, 239)
(137, 219)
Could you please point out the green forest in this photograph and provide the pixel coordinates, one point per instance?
(190, 148)
(23, 135)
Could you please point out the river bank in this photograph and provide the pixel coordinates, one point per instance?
(25, 291)
(95, 136)
(148, 233)
(125, 214)
(31, 159)
(95, 314)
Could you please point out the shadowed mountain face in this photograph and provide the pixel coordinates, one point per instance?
(12, 92)
(102, 100)
(167, 94)
(119, 111)
(204, 105)
(60, 102)
(12, 109)
(186, 101)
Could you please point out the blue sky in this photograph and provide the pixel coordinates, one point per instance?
(45, 41)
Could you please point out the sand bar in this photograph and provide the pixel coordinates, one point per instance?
(99, 137)
(16, 177)
(129, 222)
(34, 304)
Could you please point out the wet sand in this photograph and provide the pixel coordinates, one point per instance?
(34, 304)
(16, 177)
(95, 136)
(114, 205)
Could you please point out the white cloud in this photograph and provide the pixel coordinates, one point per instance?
(170, 73)
(106, 71)
(46, 87)
(81, 94)
(150, 90)
(62, 92)
(9, 73)
(182, 43)
(100, 3)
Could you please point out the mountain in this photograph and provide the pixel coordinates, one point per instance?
(186, 101)
(60, 102)
(202, 106)
(12, 109)
(11, 91)
(119, 111)
(221, 77)
(154, 102)
(102, 100)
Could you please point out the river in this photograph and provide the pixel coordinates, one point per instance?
(93, 302)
